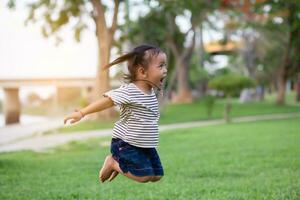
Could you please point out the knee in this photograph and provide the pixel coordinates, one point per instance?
(155, 178)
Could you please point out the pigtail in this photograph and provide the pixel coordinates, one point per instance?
(120, 59)
(137, 57)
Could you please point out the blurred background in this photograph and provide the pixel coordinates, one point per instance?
(230, 107)
(52, 52)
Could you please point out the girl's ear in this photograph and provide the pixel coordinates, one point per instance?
(141, 72)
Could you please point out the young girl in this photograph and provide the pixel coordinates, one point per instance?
(135, 135)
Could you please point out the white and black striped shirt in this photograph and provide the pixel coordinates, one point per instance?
(138, 124)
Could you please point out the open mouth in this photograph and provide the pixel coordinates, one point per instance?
(162, 80)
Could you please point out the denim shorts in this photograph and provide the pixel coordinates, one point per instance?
(138, 161)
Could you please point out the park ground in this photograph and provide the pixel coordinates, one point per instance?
(249, 160)
(254, 160)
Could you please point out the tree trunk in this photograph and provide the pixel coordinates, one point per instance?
(281, 89)
(202, 85)
(273, 83)
(282, 79)
(227, 109)
(180, 74)
(168, 92)
(182, 57)
(102, 79)
(297, 87)
(105, 37)
(184, 94)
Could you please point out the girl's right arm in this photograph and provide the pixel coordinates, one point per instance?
(96, 106)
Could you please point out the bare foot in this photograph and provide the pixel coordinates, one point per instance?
(113, 175)
(106, 170)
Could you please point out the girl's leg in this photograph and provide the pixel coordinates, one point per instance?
(106, 170)
(155, 178)
(110, 165)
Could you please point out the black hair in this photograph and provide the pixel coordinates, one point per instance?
(140, 56)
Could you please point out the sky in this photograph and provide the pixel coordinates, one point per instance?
(25, 53)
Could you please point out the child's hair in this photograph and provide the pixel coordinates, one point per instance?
(138, 57)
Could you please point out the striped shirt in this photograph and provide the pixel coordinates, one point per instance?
(139, 115)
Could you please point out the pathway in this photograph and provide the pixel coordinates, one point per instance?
(44, 142)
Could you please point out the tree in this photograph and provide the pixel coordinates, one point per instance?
(198, 11)
(55, 16)
(230, 84)
(269, 54)
(240, 21)
(159, 27)
(285, 13)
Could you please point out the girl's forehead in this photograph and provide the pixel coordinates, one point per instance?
(161, 57)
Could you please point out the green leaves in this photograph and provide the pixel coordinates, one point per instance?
(78, 30)
(11, 4)
(230, 83)
(54, 15)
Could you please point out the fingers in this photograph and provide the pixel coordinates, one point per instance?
(72, 121)
(66, 119)
(74, 118)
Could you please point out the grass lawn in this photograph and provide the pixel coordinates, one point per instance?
(257, 160)
(197, 111)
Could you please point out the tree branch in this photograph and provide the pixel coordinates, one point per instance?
(113, 27)
(188, 51)
(100, 17)
(173, 47)
(170, 40)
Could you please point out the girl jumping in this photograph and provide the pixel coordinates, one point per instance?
(135, 135)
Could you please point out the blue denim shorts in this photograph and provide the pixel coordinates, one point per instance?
(138, 161)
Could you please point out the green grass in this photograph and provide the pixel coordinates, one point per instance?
(257, 160)
(197, 111)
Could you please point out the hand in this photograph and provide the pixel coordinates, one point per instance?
(75, 116)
